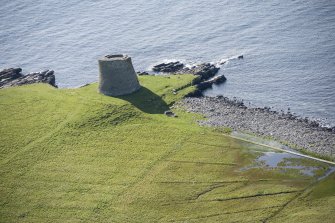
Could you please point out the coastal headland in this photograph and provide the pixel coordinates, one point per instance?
(79, 156)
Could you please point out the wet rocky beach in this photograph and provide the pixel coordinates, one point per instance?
(284, 127)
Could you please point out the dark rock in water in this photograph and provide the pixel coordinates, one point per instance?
(204, 70)
(142, 73)
(207, 75)
(240, 57)
(11, 73)
(204, 85)
(8, 75)
(209, 83)
(219, 79)
(168, 67)
(13, 77)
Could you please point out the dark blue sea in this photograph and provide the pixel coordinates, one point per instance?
(288, 45)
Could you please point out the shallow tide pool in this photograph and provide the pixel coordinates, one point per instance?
(283, 162)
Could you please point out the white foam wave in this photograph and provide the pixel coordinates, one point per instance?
(226, 60)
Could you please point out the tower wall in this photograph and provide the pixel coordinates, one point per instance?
(117, 76)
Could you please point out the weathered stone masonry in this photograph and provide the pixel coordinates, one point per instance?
(117, 76)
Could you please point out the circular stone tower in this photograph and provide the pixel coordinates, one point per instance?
(117, 75)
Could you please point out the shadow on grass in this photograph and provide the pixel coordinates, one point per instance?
(147, 101)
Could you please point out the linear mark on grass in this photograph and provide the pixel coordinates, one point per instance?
(290, 201)
(256, 195)
(207, 144)
(209, 190)
(42, 138)
(227, 182)
(152, 169)
(227, 213)
(199, 162)
(234, 198)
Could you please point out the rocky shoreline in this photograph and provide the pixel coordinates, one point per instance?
(13, 77)
(220, 111)
(284, 127)
(205, 73)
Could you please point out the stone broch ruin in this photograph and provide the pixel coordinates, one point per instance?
(117, 75)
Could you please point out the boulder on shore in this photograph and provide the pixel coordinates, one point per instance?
(13, 77)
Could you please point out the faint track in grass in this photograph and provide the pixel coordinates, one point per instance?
(226, 213)
(233, 198)
(199, 162)
(47, 135)
(299, 194)
(126, 196)
(153, 169)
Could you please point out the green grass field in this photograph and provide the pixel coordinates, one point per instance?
(73, 155)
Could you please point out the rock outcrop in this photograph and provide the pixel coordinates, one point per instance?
(208, 83)
(171, 67)
(205, 71)
(13, 77)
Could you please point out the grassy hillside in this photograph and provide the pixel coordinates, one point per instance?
(73, 155)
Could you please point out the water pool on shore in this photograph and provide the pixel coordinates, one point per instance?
(283, 162)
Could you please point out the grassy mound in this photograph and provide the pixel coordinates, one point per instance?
(73, 155)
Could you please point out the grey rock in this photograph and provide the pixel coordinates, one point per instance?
(13, 77)
(10, 74)
(168, 67)
(204, 70)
